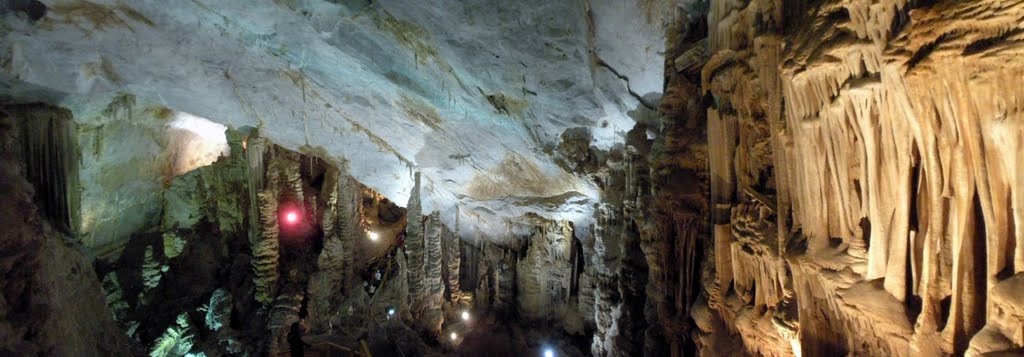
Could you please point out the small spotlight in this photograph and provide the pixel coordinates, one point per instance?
(391, 312)
(465, 315)
(454, 336)
(373, 236)
(291, 217)
(549, 352)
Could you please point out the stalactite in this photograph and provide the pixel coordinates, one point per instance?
(254, 151)
(291, 175)
(51, 163)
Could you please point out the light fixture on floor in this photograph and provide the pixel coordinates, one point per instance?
(373, 236)
(549, 352)
(465, 315)
(454, 336)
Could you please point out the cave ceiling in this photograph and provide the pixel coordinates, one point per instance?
(472, 93)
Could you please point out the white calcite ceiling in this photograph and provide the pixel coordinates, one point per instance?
(392, 86)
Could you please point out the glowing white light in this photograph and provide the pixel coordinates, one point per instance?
(373, 235)
(465, 315)
(200, 126)
(454, 336)
(291, 217)
(391, 312)
(549, 353)
(194, 142)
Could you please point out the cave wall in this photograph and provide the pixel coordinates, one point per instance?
(52, 303)
(864, 163)
(123, 148)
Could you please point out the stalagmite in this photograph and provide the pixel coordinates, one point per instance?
(265, 250)
(434, 285)
(283, 314)
(452, 245)
(415, 251)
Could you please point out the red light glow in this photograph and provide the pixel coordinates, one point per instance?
(291, 217)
